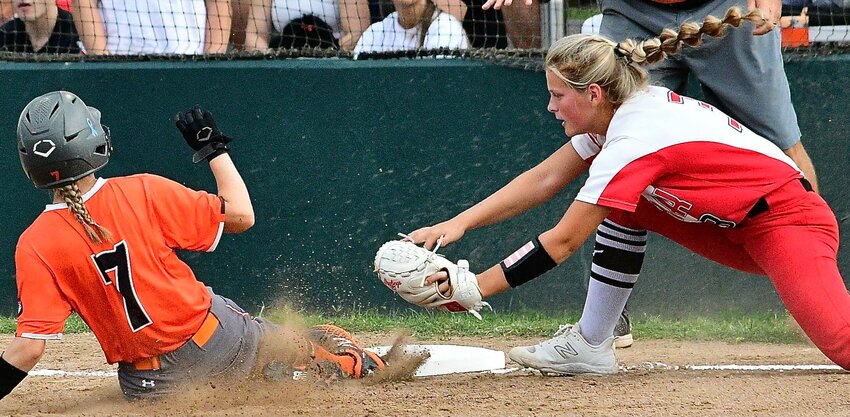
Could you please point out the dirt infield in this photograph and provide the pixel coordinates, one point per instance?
(660, 391)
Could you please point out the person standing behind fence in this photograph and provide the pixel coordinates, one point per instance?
(416, 24)
(41, 27)
(346, 19)
(134, 27)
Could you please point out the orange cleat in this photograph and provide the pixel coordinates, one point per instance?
(335, 344)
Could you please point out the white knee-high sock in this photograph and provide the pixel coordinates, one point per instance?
(602, 309)
(617, 260)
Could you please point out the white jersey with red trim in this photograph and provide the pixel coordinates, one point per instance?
(686, 157)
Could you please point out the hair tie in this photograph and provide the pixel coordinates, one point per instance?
(622, 55)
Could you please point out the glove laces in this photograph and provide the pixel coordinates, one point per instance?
(439, 243)
(433, 252)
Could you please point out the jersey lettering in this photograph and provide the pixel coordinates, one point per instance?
(735, 125)
(680, 209)
(117, 260)
(717, 221)
(671, 204)
(679, 99)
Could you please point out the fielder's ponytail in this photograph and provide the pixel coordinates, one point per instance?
(581, 60)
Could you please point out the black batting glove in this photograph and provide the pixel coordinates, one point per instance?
(202, 134)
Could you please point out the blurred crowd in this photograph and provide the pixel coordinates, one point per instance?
(194, 27)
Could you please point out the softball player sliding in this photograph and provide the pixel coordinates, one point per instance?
(105, 249)
(662, 162)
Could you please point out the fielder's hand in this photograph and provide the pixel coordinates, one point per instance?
(202, 134)
(444, 233)
(404, 268)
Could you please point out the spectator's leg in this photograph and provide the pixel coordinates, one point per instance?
(523, 25)
(239, 10)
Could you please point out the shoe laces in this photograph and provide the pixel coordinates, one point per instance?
(564, 329)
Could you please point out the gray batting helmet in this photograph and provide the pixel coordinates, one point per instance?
(61, 140)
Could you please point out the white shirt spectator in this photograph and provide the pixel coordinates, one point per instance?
(591, 24)
(285, 11)
(389, 36)
(154, 27)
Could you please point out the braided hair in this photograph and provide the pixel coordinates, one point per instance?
(581, 60)
(74, 199)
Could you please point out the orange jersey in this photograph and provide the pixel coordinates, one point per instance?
(135, 294)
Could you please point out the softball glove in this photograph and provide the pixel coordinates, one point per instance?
(403, 266)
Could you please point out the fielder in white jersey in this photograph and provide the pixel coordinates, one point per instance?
(642, 158)
(660, 162)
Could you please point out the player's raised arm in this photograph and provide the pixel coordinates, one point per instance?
(203, 135)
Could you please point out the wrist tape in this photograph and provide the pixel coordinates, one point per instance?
(528, 262)
(210, 151)
(10, 377)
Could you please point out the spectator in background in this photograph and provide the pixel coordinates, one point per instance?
(590, 26)
(41, 27)
(129, 27)
(7, 11)
(347, 19)
(239, 10)
(416, 24)
(490, 27)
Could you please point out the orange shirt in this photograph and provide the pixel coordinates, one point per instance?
(135, 294)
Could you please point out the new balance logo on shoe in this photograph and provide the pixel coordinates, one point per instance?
(565, 351)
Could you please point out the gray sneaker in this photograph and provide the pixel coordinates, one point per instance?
(567, 353)
(623, 331)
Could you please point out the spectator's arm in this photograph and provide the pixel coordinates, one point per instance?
(354, 17)
(89, 24)
(771, 11)
(456, 8)
(218, 26)
(522, 25)
(258, 29)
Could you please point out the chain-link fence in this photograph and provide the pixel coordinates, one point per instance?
(35, 30)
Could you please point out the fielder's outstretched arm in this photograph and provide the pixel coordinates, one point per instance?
(528, 190)
(555, 246)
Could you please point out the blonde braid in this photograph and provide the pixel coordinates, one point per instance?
(670, 41)
(581, 60)
(74, 199)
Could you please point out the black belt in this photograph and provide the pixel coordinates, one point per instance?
(761, 205)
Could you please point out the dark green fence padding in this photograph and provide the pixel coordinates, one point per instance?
(340, 156)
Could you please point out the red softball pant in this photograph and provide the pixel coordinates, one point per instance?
(794, 243)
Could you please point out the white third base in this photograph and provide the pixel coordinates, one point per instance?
(452, 359)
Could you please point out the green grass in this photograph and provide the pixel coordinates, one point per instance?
(581, 13)
(728, 327)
